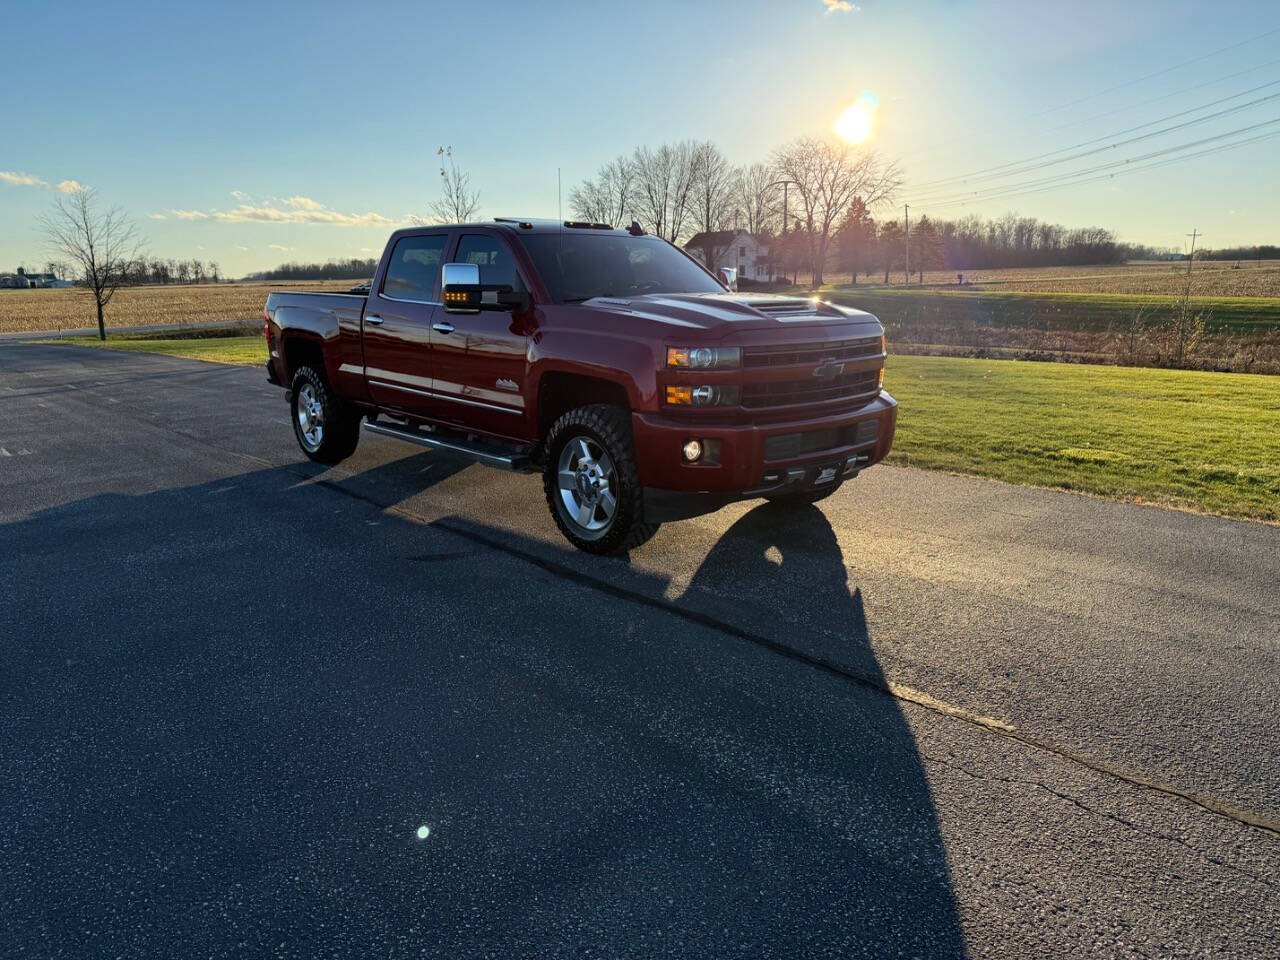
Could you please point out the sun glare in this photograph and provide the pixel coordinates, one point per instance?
(858, 121)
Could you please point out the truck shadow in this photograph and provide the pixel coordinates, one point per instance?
(888, 855)
(249, 693)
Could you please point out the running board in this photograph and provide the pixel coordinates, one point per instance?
(488, 457)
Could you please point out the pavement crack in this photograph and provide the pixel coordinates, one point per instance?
(1095, 811)
(879, 683)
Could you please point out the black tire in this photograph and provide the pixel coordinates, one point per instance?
(605, 430)
(329, 430)
(806, 497)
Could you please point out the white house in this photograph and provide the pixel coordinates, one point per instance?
(731, 248)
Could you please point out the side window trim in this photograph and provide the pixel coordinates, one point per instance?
(449, 243)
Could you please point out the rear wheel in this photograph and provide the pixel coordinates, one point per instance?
(327, 430)
(591, 482)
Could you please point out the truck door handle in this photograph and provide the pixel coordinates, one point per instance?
(370, 318)
(442, 327)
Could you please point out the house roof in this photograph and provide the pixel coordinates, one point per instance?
(717, 238)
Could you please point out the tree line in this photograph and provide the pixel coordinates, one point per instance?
(819, 204)
(1261, 252)
(691, 191)
(970, 243)
(350, 269)
(140, 271)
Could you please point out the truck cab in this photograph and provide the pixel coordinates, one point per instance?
(641, 387)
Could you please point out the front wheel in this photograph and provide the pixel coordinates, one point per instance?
(326, 429)
(591, 481)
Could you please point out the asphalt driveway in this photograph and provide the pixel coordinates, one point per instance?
(254, 707)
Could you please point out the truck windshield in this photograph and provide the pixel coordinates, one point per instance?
(577, 266)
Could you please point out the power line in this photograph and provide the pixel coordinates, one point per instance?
(1028, 164)
(1121, 86)
(988, 192)
(1016, 192)
(1162, 97)
(1158, 73)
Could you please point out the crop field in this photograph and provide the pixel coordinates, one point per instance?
(1075, 311)
(1209, 278)
(35, 310)
(1240, 334)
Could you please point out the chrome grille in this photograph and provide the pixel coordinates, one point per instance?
(790, 392)
(815, 353)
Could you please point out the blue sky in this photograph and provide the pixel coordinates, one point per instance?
(332, 117)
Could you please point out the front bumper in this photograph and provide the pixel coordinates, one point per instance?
(756, 459)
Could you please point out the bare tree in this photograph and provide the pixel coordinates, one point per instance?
(607, 198)
(101, 244)
(826, 177)
(458, 202)
(756, 199)
(664, 187)
(712, 190)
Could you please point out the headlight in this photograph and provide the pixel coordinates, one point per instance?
(704, 358)
(704, 396)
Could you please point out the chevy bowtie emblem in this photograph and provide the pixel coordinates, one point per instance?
(828, 369)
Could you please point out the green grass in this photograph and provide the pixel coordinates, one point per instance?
(1052, 311)
(1204, 441)
(250, 349)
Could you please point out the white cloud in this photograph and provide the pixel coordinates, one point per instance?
(318, 213)
(240, 195)
(297, 209)
(16, 179)
(276, 246)
(157, 216)
(842, 6)
(21, 179)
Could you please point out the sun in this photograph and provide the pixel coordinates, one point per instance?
(856, 123)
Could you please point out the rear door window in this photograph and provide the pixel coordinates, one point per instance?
(492, 256)
(414, 270)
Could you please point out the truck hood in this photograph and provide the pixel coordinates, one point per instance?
(725, 312)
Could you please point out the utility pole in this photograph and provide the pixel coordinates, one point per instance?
(906, 220)
(1192, 255)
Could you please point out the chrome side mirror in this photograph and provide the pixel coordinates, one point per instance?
(729, 277)
(460, 287)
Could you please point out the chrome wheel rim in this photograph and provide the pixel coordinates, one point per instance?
(588, 485)
(310, 416)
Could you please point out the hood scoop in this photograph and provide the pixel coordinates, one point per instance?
(794, 308)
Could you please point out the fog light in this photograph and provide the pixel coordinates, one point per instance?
(692, 451)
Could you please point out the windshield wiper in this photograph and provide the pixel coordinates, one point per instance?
(616, 296)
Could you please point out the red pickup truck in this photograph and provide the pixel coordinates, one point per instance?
(640, 386)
